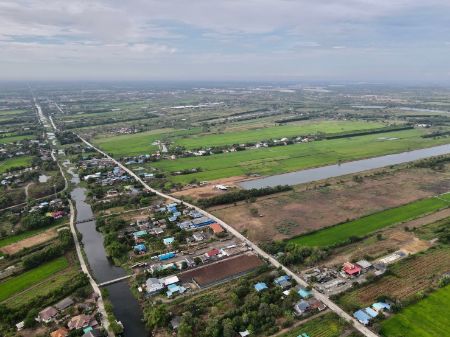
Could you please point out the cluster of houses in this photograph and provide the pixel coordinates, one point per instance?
(58, 315)
(366, 315)
(116, 175)
(170, 284)
(54, 208)
(307, 304)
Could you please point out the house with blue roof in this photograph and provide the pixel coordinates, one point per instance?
(372, 313)
(378, 306)
(166, 256)
(304, 293)
(362, 317)
(168, 241)
(173, 289)
(260, 286)
(283, 281)
(303, 335)
(139, 234)
(140, 248)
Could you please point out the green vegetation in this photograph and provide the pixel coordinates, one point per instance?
(365, 225)
(273, 132)
(24, 235)
(328, 325)
(280, 159)
(19, 162)
(18, 283)
(13, 139)
(427, 318)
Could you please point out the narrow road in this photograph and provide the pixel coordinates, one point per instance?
(333, 306)
(84, 268)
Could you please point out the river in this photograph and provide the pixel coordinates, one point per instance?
(324, 172)
(126, 307)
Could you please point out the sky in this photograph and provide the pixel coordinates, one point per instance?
(319, 40)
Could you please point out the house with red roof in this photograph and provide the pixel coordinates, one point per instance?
(351, 269)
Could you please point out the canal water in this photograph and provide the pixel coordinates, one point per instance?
(314, 174)
(126, 307)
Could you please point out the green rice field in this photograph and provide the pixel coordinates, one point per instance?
(7, 164)
(281, 159)
(13, 139)
(273, 132)
(25, 280)
(427, 318)
(365, 225)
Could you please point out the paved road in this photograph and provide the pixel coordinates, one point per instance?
(334, 307)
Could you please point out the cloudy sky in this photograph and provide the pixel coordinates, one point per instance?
(355, 40)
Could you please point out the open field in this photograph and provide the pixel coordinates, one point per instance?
(15, 162)
(131, 145)
(18, 283)
(274, 132)
(327, 325)
(42, 289)
(427, 318)
(13, 139)
(408, 277)
(280, 159)
(29, 242)
(308, 208)
(24, 235)
(363, 226)
(222, 270)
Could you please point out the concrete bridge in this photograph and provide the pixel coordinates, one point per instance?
(119, 279)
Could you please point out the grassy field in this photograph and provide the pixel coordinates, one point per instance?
(25, 235)
(273, 132)
(25, 280)
(327, 325)
(15, 162)
(365, 225)
(427, 318)
(274, 160)
(138, 143)
(406, 278)
(13, 139)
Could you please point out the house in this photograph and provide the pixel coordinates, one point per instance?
(61, 332)
(57, 215)
(362, 317)
(166, 256)
(168, 241)
(212, 252)
(47, 315)
(372, 313)
(244, 333)
(92, 333)
(173, 289)
(140, 248)
(216, 228)
(79, 322)
(169, 280)
(283, 281)
(315, 304)
(260, 286)
(364, 264)
(301, 307)
(304, 293)
(198, 237)
(20, 325)
(139, 234)
(64, 304)
(351, 269)
(153, 285)
(379, 306)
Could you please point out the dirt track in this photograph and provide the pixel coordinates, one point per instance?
(38, 239)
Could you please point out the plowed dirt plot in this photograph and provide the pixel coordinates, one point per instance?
(13, 248)
(292, 213)
(408, 277)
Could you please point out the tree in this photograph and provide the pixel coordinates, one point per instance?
(228, 329)
(156, 316)
(30, 318)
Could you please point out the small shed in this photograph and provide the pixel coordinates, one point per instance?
(260, 286)
(168, 241)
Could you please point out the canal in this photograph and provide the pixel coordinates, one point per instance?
(126, 307)
(324, 172)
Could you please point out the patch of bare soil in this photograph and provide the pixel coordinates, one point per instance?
(209, 190)
(38, 239)
(292, 213)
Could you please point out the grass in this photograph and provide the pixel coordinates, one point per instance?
(273, 132)
(365, 225)
(138, 143)
(13, 139)
(427, 318)
(7, 164)
(43, 289)
(25, 235)
(327, 325)
(280, 159)
(25, 280)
